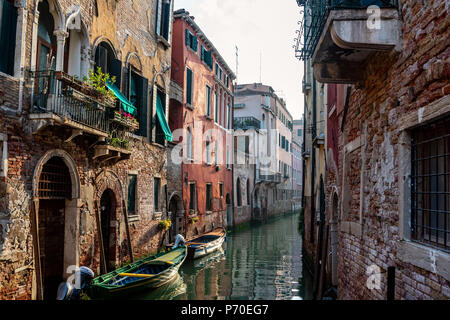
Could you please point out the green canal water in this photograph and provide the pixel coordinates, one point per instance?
(262, 262)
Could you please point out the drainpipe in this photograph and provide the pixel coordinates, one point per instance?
(313, 159)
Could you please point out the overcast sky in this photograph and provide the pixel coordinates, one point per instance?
(255, 26)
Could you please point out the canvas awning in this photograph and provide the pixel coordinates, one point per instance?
(127, 105)
(162, 120)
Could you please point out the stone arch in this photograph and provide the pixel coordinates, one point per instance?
(70, 163)
(69, 254)
(109, 180)
(134, 60)
(97, 42)
(55, 10)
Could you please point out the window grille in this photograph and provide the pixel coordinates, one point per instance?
(430, 188)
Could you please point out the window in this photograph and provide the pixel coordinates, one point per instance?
(3, 155)
(228, 158)
(267, 101)
(216, 107)
(192, 197)
(221, 189)
(138, 96)
(208, 197)
(208, 152)
(189, 145)
(208, 101)
(156, 193)
(239, 193)
(299, 132)
(263, 122)
(207, 57)
(191, 41)
(163, 18)
(248, 192)
(104, 55)
(160, 136)
(189, 86)
(229, 115)
(132, 188)
(430, 218)
(8, 22)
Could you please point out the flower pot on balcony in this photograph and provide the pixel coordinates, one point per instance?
(125, 121)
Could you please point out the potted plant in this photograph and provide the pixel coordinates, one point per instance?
(97, 82)
(164, 225)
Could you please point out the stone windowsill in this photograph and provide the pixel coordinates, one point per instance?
(133, 218)
(158, 145)
(163, 41)
(157, 216)
(189, 106)
(208, 213)
(427, 258)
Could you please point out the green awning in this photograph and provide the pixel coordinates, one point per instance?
(127, 105)
(162, 119)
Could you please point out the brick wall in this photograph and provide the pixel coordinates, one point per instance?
(396, 85)
(135, 22)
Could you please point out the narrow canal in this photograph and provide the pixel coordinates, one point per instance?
(263, 262)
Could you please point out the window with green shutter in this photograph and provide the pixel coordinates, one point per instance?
(208, 101)
(8, 21)
(207, 57)
(163, 11)
(189, 86)
(191, 41)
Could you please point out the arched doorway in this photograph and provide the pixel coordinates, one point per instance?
(334, 240)
(229, 211)
(177, 216)
(55, 188)
(108, 205)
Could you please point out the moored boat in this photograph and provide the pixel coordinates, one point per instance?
(206, 243)
(149, 273)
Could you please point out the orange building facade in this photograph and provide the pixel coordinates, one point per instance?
(202, 122)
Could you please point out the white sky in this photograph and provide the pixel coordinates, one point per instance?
(255, 26)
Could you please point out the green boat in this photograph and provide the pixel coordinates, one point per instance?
(149, 273)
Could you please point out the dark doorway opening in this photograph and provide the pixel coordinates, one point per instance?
(54, 189)
(108, 210)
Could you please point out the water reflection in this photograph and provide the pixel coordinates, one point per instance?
(167, 292)
(263, 262)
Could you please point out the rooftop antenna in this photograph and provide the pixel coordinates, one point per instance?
(237, 62)
(260, 66)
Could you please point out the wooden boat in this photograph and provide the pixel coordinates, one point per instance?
(149, 273)
(206, 243)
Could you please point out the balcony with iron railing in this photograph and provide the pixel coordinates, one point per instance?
(62, 100)
(339, 35)
(268, 177)
(246, 123)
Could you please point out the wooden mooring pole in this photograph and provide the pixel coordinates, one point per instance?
(127, 227)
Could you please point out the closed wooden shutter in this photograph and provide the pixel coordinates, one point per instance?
(188, 38)
(116, 71)
(189, 86)
(142, 89)
(8, 22)
(166, 20)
